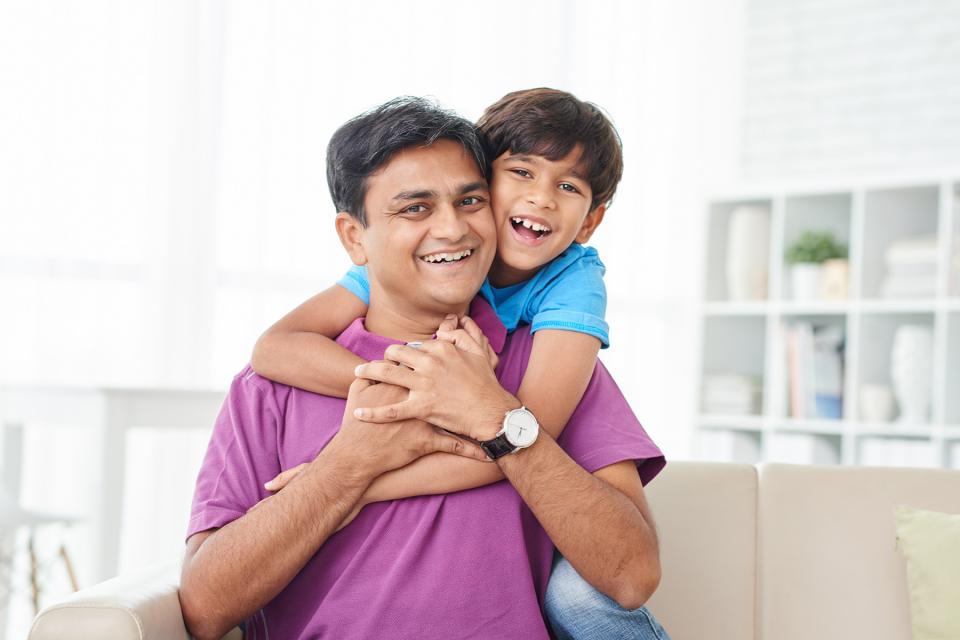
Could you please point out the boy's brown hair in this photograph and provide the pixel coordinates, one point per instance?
(550, 123)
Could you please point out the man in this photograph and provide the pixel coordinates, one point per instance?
(470, 564)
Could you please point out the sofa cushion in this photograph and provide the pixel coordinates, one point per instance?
(930, 542)
(706, 515)
(829, 568)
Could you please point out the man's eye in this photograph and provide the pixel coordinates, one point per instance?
(415, 208)
(566, 186)
(471, 201)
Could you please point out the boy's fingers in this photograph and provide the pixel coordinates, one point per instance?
(446, 443)
(388, 413)
(449, 323)
(284, 478)
(462, 340)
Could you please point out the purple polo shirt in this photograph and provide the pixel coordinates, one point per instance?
(471, 564)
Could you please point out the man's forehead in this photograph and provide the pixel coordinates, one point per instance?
(442, 168)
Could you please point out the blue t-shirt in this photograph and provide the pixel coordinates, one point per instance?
(568, 293)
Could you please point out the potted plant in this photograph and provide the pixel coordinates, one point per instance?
(806, 257)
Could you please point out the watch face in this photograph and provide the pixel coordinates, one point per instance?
(521, 428)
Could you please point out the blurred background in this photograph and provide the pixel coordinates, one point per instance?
(782, 263)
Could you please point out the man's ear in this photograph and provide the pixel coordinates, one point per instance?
(590, 224)
(351, 237)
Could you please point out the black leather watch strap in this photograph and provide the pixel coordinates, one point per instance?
(498, 447)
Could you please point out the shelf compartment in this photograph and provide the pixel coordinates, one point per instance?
(733, 365)
(901, 451)
(820, 213)
(729, 446)
(951, 395)
(892, 215)
(718, 226)
(803, 448)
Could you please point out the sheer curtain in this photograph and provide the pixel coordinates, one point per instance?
(162, 185)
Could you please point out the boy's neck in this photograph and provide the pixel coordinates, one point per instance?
(502, 275)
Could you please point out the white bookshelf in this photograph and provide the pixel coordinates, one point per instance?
(747, 337)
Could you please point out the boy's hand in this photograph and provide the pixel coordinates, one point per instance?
(286, 477)
(467, 328)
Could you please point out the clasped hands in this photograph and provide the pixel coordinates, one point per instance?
(440, 396)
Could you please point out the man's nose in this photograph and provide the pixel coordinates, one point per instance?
(448, 223)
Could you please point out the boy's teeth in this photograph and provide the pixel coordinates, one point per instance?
(531, 225)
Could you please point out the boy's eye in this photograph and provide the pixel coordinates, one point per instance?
(523, 173)
(566, 186)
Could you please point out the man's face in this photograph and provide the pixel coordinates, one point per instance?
(430, 235)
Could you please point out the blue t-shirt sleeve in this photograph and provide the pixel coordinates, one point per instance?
(574, 300)
(355, 281)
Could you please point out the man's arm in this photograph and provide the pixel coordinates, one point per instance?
(601, 524)
(231, 572)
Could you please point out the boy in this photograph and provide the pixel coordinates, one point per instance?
(556, 162)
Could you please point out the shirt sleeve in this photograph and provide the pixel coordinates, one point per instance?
(603, 430)
(241, 456)
(355, 281)
(573, 300)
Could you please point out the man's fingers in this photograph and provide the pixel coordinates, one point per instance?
(472, 329)
(386, 372)
(446, 443)
(388, 413)
(284, 478)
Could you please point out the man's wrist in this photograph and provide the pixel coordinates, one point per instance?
(491, 418)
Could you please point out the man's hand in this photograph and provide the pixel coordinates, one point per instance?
(451, 384)
(378, 448)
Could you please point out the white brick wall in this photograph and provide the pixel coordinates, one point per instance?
(850, 87)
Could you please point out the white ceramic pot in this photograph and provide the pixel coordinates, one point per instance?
(911, 371)
(748, 253)
(834, 279)
(805, 280)
(876, 402)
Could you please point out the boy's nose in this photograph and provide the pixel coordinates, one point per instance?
(541, 197)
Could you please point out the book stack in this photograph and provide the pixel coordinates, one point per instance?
(731, 394)
(815, 370)
(728, 446)
(911, 268)
(897, 452)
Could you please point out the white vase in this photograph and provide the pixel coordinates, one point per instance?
(911, 371)
(805, 280)
(748, 253)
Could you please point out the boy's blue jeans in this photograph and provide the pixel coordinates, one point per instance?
(577, 611)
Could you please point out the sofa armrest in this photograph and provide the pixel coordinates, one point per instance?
(138, 606)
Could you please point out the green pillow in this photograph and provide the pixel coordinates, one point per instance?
(930, 542)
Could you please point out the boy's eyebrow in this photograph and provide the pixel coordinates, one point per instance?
(574, 171)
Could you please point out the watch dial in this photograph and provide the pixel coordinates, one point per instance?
(521, 428)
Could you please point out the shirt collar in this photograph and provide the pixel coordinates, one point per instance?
(370, 346)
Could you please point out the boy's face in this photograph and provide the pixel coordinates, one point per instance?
(540, 206)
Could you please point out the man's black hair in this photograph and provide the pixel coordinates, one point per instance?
(366, 143)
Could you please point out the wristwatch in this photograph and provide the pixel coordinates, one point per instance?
(519, 431)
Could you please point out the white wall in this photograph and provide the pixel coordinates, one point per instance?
(847, 87)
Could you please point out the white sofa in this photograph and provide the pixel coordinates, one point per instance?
(774, 552)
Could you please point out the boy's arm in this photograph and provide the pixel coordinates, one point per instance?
(299, 350)
(559, 370)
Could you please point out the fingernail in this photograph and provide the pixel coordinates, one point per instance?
(268, 485)
(358, 413)
(357, 370)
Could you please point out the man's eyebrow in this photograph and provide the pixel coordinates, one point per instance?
(473, 186)
(415, 194)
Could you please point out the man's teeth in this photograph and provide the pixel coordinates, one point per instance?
(447, 257)
(531, 225)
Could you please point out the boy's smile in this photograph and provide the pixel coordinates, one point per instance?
(541, 206)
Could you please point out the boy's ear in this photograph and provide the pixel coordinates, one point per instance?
(351, 237)
(590, 224)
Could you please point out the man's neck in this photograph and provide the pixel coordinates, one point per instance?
(409, 325)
